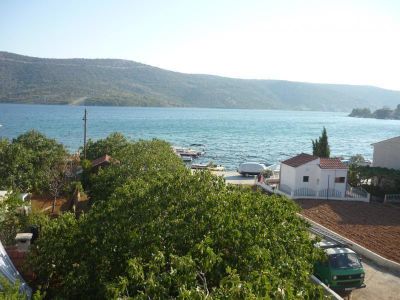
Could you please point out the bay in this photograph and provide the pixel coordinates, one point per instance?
(231, 136)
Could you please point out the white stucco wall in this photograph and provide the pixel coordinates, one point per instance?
(293, 177)
(318, 178)
(309, 169)
(326, 174)
(387, 154)
(287, 176)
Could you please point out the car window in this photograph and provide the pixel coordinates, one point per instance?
(344, 261)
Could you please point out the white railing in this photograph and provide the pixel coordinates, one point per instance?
(304, 192)
(356, 192)
(329, 193)
(352, 193)
(392, 198)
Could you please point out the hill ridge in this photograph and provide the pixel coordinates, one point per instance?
(26, 79)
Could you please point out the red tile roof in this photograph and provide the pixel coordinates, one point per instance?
(101, 160)
(299, 160)
(331, 163)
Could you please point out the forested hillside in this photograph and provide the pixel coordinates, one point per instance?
(120, 82)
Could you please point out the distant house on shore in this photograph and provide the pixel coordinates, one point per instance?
(387, 153)
(307, 175)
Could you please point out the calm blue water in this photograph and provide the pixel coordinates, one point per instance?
(231, 136)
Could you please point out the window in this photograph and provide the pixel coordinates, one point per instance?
(306, 178)
(344, 261)
(340, 179)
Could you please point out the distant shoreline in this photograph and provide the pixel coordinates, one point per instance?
(171, 107)
(381, 114)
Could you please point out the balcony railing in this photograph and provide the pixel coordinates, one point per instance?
(351, 194)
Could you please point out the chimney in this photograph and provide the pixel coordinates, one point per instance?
(23, 241)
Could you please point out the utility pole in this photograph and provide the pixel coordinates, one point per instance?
(84, 134)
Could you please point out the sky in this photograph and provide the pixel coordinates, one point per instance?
(350, 42)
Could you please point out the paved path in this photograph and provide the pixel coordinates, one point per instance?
(380, 284)
(233, 177)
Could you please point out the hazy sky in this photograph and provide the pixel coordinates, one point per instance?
(354, 42)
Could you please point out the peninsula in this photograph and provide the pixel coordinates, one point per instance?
(382, 113)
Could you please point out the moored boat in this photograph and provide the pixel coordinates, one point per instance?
(188, 152)
(186, 158)
(209, 166)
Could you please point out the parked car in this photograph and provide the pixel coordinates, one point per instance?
(251, 168)
(342, 270)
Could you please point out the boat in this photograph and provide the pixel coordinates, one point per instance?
(188, 152)
(209, 166)
(186, 158)
(199, 166)
(219, 168)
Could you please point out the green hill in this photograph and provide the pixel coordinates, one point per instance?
(26, 79)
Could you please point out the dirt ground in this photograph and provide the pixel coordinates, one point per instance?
(373, 225)
(44, 203)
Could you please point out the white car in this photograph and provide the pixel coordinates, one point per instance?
(251, 168)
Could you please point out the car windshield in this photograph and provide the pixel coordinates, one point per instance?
(344, 261)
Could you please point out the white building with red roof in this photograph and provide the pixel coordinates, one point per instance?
(307, 175)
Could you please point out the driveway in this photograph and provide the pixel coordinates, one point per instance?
(381, 284)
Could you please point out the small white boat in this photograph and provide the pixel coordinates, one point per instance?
(186, 158)
(217, 168)
(187, 152)
(199, 166)
(209, 166)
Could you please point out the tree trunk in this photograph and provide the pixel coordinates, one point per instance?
(54, 205)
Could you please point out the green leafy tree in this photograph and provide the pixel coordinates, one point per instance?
(378, 181)
(353, 175)
(25, 161)
(157, 231)
(383, 113)
(111, 145)
(10, 291)
(321, 146)
(142, 159)
(357, 159)
(361, 112)
(11, 220)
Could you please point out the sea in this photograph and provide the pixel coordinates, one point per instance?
(229, 136)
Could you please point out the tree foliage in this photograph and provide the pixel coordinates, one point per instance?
(142, 159)
(361, 113)
(111, 145)
(321, 146)
(382, 113)
(376, 180)
(25, 161)
(11, 220)
(157, 231)
(10, 291)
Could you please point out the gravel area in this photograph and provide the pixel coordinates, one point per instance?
(372, 225)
